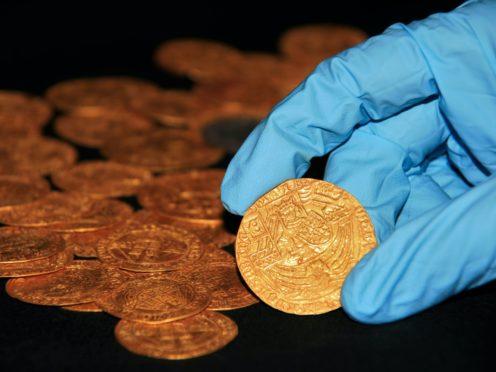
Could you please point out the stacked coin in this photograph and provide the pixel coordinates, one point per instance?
(76, 238)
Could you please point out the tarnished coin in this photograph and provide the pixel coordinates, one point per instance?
(101, 178)
(67, 212)
(16, 190)
(92, 127)
(40, 266)
(18, 244)
(90, 307)
(155, 300)
(169, 107)
(162, 150)
(22, 114)
(314, 43)
(80, 282)
(222, 280)
(193, 195)
(35, 155)
(199, 335)
(149, 247)
(111, 92)
(297, 243)
(199, 59)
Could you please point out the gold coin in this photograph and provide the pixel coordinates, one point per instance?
(169, 107)
(162, 150)
(90, 307)
(80, 282)
(199, 59)
(155, 300)
(18, 244)
(84, 243)
(16, 190)
(297, 243)
(211, 233)
(35, 155)
(221, 279)
(92, 127)
(193, 195)
(149, 247)
(67, 212)
(22, 114)
(254, 95)
(311, 44)
(199, 335)
(109, 92)
(101, 178)
(36, 267)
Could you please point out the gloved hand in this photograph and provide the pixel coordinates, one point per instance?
(410, 118)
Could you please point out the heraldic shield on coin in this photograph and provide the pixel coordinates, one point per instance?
(297, 243)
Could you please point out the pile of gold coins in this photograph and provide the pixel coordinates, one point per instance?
(70, 239)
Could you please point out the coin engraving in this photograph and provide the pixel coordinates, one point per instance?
(297, 243)
(188, 338)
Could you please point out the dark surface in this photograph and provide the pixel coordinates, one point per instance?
(43, 43)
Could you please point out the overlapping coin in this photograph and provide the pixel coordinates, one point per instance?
(92, 127)
(109, 92)
(199, 335)
(15, 190)
(35, 155)
(297, 243)
(155, 300)
(193, 195)
(77, 283)
(101, 178)
(162, 150)
(67, 212)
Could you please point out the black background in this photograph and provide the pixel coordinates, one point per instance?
(45, 42)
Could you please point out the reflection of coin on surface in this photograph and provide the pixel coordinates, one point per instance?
(199, 335)
(297, 243)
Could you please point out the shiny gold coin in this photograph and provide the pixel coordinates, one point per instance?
(314, 43)
(18, 244)
(16, 190)
(193, 195)
(101, 178)
(92, 127)
(199, 59)
(297, 243)
(162, 150)
(80, 282)
(109, 92)
(35, 155)
(22, 114)
(221, 279)
(90, 307)
(36, 267)
(149, 247)
(169, 107)
(67, 212)
(199, 335)
(155, 300)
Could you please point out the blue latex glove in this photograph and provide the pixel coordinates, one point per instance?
(410, 118)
